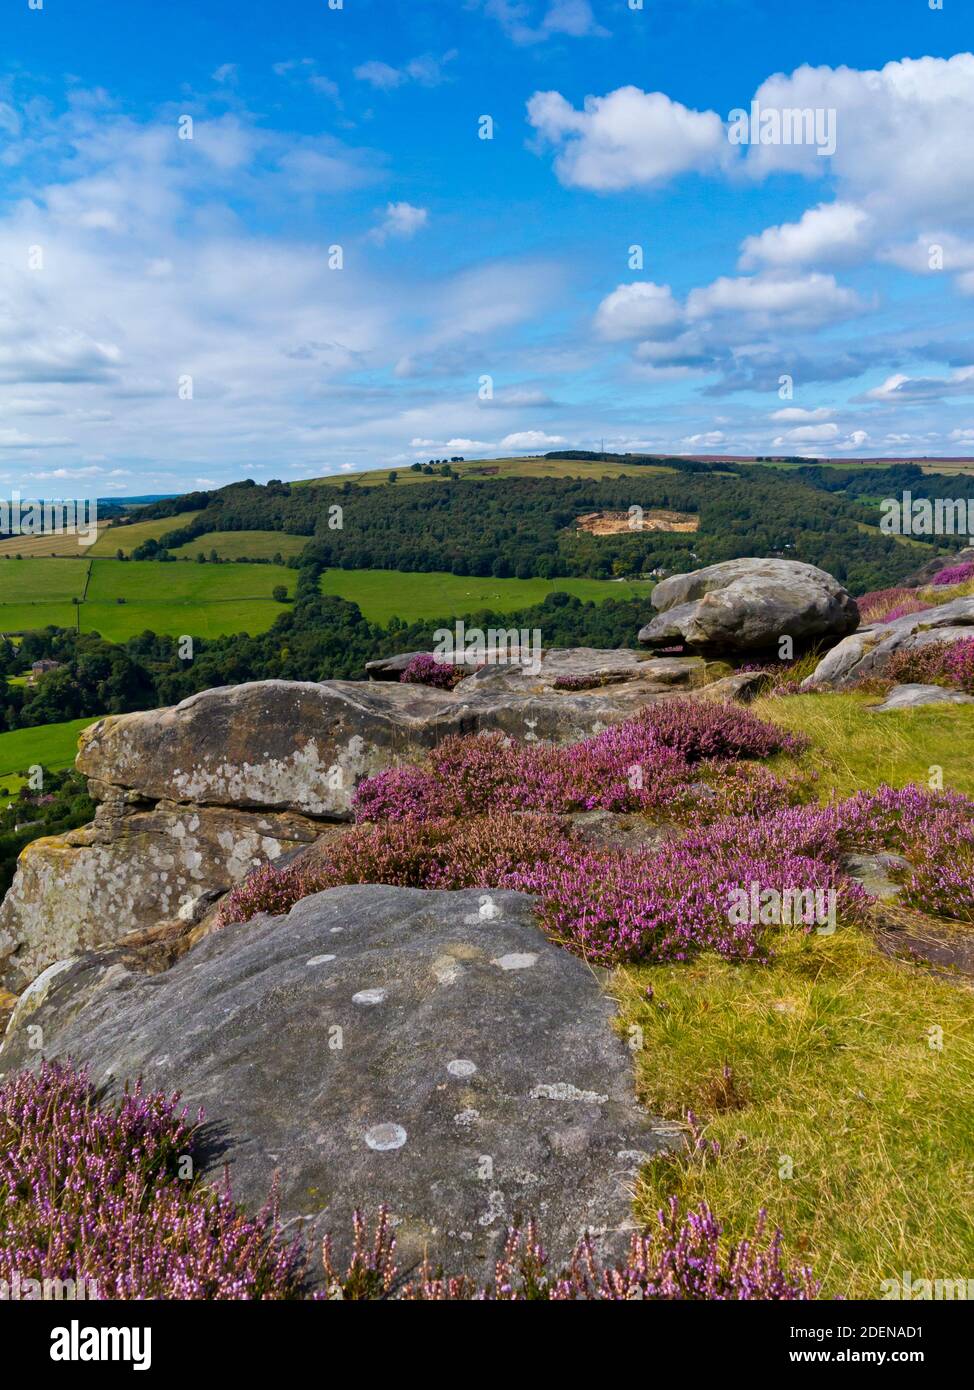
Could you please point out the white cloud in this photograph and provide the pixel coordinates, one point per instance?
(805, 301)
(796, 414)
(628, 139)
(532, 439)
(900, 387)
(637, 310)
(809, 434)
(425, 70)
(831, 233)
(888, 123)
(571, 18)
(306, 70)
(400, 220)
(708, 439)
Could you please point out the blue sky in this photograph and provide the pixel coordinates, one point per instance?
(172, 310)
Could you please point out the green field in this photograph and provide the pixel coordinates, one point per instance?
(173, 599)
(36, 592)
(498, 468)
(250, 545)
(50, 745)
(217, 600)
(383, 594)
(127, 538)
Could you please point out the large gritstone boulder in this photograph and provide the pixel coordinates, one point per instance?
(868, 651)
(191, 797)
(748, 605)
(432, 1050)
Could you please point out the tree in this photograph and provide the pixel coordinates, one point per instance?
(279, 593)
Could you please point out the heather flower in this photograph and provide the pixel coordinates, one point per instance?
(424, 669)
(938, 663)
(89, 1190)
(955, 574)
(885, 605)
(93, 1191)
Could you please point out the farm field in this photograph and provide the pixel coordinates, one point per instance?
(498, 468)
(172, 599)
(127, 538)
(36, 592)
(58, 545)
(51, 745)
(383, 594)
(250, 545)
(218, 600)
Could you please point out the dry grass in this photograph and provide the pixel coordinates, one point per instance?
(841, 1114)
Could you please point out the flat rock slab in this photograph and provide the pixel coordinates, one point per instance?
(427, 1049)
(912, 696)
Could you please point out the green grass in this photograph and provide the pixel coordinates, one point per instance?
(215, 600)
(181, 598)
(383, 594)
(854, 750)
(37, 592)
(832, 1069)
(41, 580)
(50, 745)
(250, 545)
(833, 1078)
(498, 468)
(127, 538)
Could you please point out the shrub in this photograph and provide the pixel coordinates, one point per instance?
(424, 669)
(645, 763)
(884, 605)
(91, 1191)
(943, 663)
(955, 574)
(88, 1190)
(684, 1258)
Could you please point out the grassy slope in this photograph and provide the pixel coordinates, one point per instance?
(51, 745)
(829, 1049)
(497, 468)
(126, 538)
(383, 594)
(855, 750)
(46, 546)
(251, 545)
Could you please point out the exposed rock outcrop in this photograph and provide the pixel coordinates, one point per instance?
(748, 605)
(304, 746)
(129, 871)
(867, 652)
(913, 696)
(433, 1049)
(193, 797)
